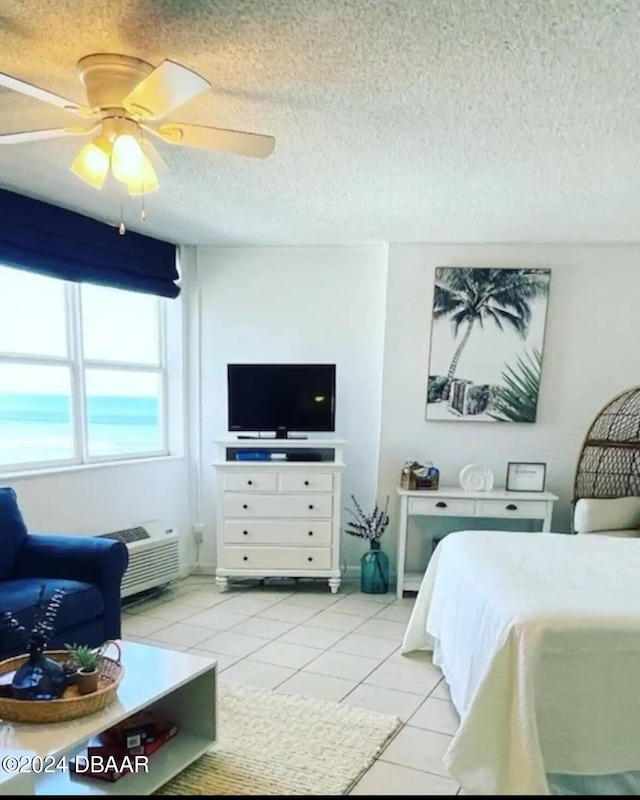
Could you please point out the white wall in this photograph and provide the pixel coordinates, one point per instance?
(98, 499)
(295, 304)
(591, 353)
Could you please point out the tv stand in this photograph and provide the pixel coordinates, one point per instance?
(278, 509)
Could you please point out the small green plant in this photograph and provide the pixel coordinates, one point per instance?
(86, 658)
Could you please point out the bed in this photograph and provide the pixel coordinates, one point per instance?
(538, 638)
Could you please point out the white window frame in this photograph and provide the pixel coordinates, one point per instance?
(77, 364)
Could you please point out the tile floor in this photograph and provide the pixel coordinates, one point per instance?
(300, 639)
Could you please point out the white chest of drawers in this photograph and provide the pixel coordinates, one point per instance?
(278, 518)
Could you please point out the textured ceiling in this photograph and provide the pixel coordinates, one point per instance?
(405, 120)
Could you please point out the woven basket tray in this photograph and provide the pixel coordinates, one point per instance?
(71, 705)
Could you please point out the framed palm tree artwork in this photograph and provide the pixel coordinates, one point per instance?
(487, 340)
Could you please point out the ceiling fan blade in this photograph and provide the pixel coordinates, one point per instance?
(244, 144)
(9, 82)
(167, 87)
(48, 133)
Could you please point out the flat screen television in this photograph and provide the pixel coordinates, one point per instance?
(281, 398)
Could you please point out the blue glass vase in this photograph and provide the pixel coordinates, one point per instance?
(374, 571)
(39, 678)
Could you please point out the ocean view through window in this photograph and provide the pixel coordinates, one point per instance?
(38, 428)
(82, 373)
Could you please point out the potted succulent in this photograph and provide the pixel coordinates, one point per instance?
(87, 661)
(374, 564)
(39, 677)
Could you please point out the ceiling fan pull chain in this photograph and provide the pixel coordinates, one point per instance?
(123, 228)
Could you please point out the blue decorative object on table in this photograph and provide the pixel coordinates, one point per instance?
(374, 565)
(40, 677)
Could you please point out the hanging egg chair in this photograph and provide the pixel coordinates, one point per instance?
(609, 463)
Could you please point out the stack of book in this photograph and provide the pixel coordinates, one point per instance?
(123, 748)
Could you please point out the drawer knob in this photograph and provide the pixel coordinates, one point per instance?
(244, 505)
(512, 507)
(441, 504)
(249, 483)
(310, 507)
(245, 533)
(310, 533)
(306, 483)
(245, 558)
(310, 558)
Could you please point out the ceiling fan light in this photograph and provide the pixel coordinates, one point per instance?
(126, 158)
(92, 162)
(145, 184)
(145, 180)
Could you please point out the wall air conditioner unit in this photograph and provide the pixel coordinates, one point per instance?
(154, 556)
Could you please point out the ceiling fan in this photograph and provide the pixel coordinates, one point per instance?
(126, 99)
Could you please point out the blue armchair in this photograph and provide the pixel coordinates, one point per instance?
(87, 568)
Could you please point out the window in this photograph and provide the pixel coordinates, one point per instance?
(82, 373)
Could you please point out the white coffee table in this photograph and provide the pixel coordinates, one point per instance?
(180, 686)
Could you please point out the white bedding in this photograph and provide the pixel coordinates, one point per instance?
(538, 637)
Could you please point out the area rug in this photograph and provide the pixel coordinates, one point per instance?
(278, 744)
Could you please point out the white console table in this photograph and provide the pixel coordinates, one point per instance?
(453, 502)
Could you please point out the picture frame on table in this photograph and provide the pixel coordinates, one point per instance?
(526, 476)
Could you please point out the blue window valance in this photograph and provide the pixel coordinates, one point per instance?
(62, 244)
